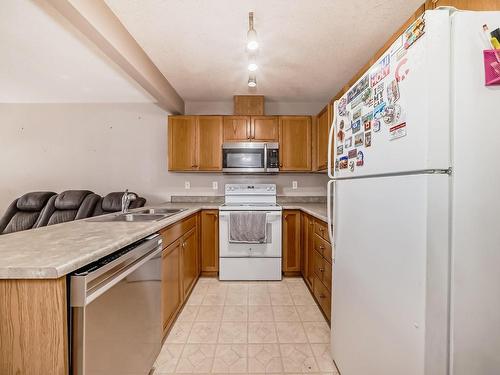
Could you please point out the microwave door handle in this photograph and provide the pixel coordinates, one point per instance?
(265, 157)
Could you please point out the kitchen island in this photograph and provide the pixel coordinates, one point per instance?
(34, 266)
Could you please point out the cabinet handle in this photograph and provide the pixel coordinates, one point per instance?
(281, 165)
(322, 296)
(322, 247)
(321, 270)
(183, 245)
(311, 224)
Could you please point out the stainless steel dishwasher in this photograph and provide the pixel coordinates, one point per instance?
(116, 312)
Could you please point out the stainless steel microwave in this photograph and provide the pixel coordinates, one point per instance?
(250, 157)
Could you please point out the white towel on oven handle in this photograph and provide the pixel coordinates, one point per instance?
(247, 227)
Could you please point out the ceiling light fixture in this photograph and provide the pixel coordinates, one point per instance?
(252, 80)
(252, 43)
(252, 63)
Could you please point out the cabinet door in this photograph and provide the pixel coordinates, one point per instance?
(236, 128)
(323, 297)
(324, 120)
(171, 282)
(295, 143)
(210, 241)
(264, 129)
(189, 260)
(209, 143)
(182, 143)
(291, 241)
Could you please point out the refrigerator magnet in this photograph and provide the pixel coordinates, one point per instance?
(391, 114)
(397, 131)
(348, 142)
(360, 159)
(337, 164)
(367, 121)
(343, 162)
(376, 125)
(352, 153)
(357, 101)
(377, 112)
(359, 139)
(368, 139)
(381, 70)
(393, 91)
(342, 107)
(367, 97)
(351, 165)
(414, 32)
(378, 94)
(340, 150)
(401, 70)
(358, 88)
(356, 126)
(356, 114)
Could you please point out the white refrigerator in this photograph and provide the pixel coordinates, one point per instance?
(413, 210)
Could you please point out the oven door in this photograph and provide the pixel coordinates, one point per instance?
(247, 157)
(270, 249)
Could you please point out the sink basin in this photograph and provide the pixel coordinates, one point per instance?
(132, 217)
(162, 211)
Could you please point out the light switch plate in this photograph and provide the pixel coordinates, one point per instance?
(187, 185)
(294, 185)
(215, 185)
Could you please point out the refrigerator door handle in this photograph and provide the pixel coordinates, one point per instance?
(330, 139)
(329, 209)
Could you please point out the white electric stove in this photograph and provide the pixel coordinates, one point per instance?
(250, 261)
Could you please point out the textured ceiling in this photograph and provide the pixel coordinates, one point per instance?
(44, 59)
(309, 48)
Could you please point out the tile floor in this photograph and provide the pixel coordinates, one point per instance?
(248, 327)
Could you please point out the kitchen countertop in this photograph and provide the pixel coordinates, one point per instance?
(57, 250)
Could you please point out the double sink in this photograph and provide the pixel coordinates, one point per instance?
(148, 214)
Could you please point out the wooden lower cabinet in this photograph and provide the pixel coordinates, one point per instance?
(316, 257)
(209, 242)
(171, 283)
(189, 248)
(291, 242)
(180, 266)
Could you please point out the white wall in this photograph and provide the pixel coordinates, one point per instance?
(105, 147)
(271, 108)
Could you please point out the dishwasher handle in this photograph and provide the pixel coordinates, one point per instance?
(82, 294)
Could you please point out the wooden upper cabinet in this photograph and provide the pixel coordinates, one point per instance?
(324, 120)
(291, 241)
(195, 143)
(264, 129)
(295, 143)
(182, 132)
(248, 105)
(209, 241)
(237, 128)
(209, 143)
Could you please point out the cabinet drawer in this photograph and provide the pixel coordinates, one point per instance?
(319, 267)
(323, 247)
(175, 231)
(321, 229)
(323, 297)
(327, 275)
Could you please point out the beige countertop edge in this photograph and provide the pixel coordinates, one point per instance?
(123, 235)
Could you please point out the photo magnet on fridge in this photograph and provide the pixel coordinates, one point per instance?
(352, 153)
(348, 142)
(340, 133)
(367, 121)
(340, 150)
(368, 139)
(357, 101)
(377, 112)
(359, 139)
(351, 165)
(356, 126)
(360, 159)
(414, 32)
(356, 114)
(391, 114)
(337, 164)
(367, 97)
(378, 94)
(343, 161)
(342, 107)
(397, 131)
(393, 91)
(376, 126)
(358, 88)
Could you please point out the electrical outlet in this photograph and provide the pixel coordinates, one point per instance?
(215, 185)
(187, 185)
(294, 185)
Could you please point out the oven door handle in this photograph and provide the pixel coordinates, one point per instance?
(265, 157)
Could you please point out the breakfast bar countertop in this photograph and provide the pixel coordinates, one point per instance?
(57, 250)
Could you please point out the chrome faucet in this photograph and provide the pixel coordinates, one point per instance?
(126, 199)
